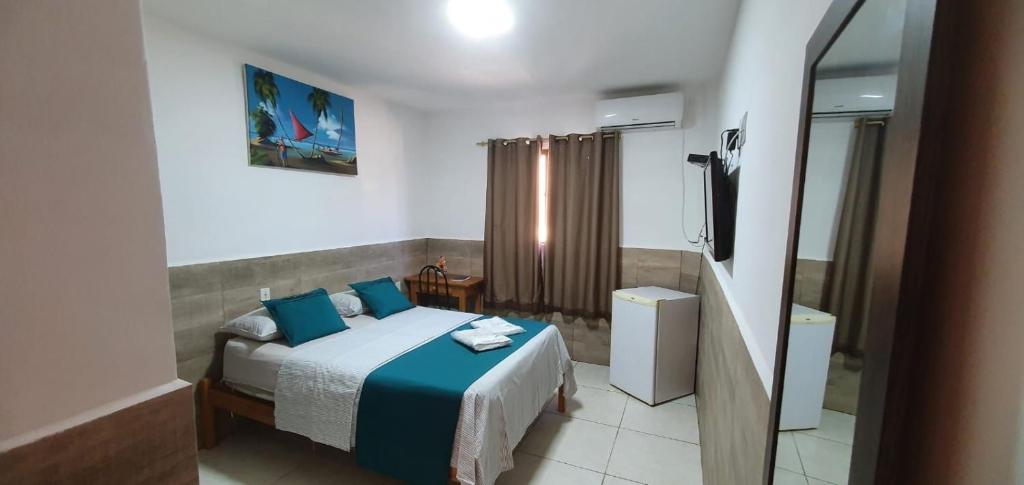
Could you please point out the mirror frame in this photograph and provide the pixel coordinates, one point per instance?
(900, 242)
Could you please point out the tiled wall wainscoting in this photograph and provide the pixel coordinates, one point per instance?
(812, 283)
(732, 405)
(588, 339)
(204, 296)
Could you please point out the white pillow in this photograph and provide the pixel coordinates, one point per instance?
(347, 304)
(257, 325)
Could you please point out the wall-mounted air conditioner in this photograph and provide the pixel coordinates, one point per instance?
(854, 95)
(640, 112)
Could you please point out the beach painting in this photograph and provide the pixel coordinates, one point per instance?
(294, 125)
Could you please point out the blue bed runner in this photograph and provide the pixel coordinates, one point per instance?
(409, 407)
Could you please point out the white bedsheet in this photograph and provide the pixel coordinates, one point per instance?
(251, 366)
(499, 407)
(318, 387)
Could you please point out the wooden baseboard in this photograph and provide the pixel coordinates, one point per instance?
(153, 441)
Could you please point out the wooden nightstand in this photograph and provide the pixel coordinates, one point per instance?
(467, 292)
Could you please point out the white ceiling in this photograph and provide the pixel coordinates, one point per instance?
(407, 51)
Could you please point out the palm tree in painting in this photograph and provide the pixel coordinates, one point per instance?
(263, 123)
(266, 89)
(321, 102)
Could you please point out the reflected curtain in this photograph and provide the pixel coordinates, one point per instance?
(581, 255)
(512, 259)
(848, 297)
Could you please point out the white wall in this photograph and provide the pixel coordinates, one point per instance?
(216, 207)
(456, 168)
(827, 157)
(652, 167)
(763, 76)
(420, 175)
(654, 185)
(86, 317)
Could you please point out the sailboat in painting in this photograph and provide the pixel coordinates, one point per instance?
(294, 125)
(301, 133)
(335, 155)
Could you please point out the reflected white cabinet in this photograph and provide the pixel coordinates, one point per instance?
(654, 343)
(810, 346)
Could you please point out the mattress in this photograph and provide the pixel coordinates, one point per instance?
(251, 366)
(317, 395)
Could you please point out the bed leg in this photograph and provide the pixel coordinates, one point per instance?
(561, 399)
(207, 416)
(452, 475)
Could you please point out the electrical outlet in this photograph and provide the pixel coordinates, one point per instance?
(264, 294)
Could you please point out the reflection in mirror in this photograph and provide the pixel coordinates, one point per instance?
(854, 90)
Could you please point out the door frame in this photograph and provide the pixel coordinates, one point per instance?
(900, 241)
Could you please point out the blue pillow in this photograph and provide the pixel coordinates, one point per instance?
(382, 296)
(305, 317)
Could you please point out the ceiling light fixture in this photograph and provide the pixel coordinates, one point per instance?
(480, 19)
(872, 96)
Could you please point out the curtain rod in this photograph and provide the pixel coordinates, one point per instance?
(852, 114)
(858, 123)
(557, 138)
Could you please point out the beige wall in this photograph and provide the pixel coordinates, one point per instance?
(85, 310)
(204, 296)
(732, 408)
(969, 405)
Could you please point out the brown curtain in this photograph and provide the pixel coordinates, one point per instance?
(511, 253)
(581, 255)
(848, 296)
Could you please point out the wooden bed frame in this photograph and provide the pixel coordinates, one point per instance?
(217, 402)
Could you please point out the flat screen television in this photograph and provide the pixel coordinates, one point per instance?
(721, 207)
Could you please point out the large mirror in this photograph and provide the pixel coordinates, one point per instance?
(853, 98)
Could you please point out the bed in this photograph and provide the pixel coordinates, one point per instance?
(316, 389)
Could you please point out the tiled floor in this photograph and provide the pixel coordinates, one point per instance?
(816, 456)
(605, 437)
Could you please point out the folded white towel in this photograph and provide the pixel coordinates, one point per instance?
(480, 339)
(498, 326)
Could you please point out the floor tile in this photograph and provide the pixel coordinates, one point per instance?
(834, 426)
(594, 405)
(824, 459)
(251, 455)
(610, 480)
(667, 420)
(592, 375)
(786, 455)
(815, 481)
(535, 470)
(330, 465)
(689, 400)
(786, 477)
(655, 460)
(574, 441)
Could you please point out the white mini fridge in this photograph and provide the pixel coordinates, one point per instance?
(810, 347)
(654, 343)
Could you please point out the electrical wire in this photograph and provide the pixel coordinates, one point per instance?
(702, 233)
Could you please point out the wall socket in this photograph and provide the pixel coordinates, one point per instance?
(264, 294)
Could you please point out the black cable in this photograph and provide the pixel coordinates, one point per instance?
(702, 233)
